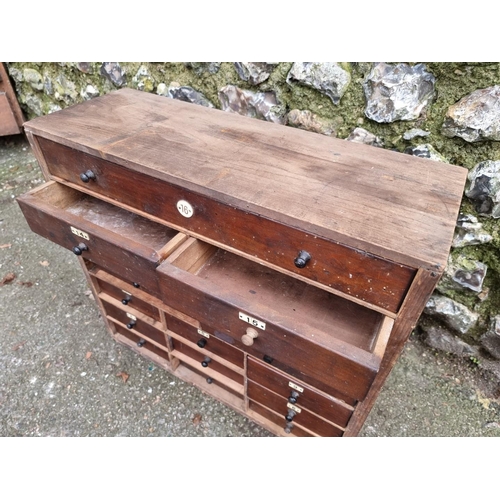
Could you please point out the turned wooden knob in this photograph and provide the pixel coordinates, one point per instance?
(87, 176)
(250, 335)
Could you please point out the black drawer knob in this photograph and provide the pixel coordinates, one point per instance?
(288, 427)
(81, 247)
(268, 359)
(126, 300)
(131, 325)
(302, 259)
(136, 285)
(201, 343)
(205, 362)
(293, 397)
(289, 416)
(209, 380)
(141, 343)
(87, 176)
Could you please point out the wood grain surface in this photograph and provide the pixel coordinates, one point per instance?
(393, 205)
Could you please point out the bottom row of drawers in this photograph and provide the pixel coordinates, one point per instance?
(172, 340)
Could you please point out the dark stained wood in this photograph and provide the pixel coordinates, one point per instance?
(212, 344)
(329, 408)
(377, 224)
(304, 418)
(354, 273)
(395, 206)
(144, 326)
(310, 355)
(198, 356)
(146, 349)
(258, 410)
(118, 292)
(125, 246)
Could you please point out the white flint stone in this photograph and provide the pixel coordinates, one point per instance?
(328, 78)
(254, 104)
(469, 232)
(397, 92)
(476, 117)
(452, 313)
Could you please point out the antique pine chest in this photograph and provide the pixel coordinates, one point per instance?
(278, 270)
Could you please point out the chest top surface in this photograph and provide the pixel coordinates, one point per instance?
(390, 204)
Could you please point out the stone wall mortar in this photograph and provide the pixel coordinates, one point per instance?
(443, 111)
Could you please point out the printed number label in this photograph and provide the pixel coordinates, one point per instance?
(296, 409)
(203, 333)
(185, 208)
(295, 386)
(252, 321)
(76, 231)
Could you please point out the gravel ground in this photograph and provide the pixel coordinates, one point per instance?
(62, 375)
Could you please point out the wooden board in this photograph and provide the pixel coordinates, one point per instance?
(393, 205)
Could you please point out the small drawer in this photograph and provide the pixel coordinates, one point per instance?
(125, 293)
(277, 244)
(206, 343)
(139, 345)
(204, 362)
(133, 320)
(315, 336)
(291, 430)
(291, 413)
(297, 393)
(124, 243)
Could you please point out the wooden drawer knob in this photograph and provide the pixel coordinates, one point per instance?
(81, 247)
(250, 335)
(293, 397)
(302, 259)
(87, 176)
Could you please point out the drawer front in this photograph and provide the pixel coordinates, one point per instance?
(204, 363)
(358, 274)
(347, 369)
(131, 318)
(210, 345)
(304, 396)
(127, 259)
(145, 347)
(278, 404)
(277, 420)
(128, 295)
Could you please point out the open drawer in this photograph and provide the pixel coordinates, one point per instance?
(311, 334)
(124, 243)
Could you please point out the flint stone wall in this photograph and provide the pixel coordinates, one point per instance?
(442, 111)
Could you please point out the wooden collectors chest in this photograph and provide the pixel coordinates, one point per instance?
(278, 270)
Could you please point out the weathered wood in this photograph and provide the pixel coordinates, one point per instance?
(377, 227)
(310, 354)
(329, 408)
(358, 274)
(278, 404)
(11, 116)
(392, 205)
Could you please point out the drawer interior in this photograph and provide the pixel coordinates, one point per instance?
(298, 304)
(110, 217)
